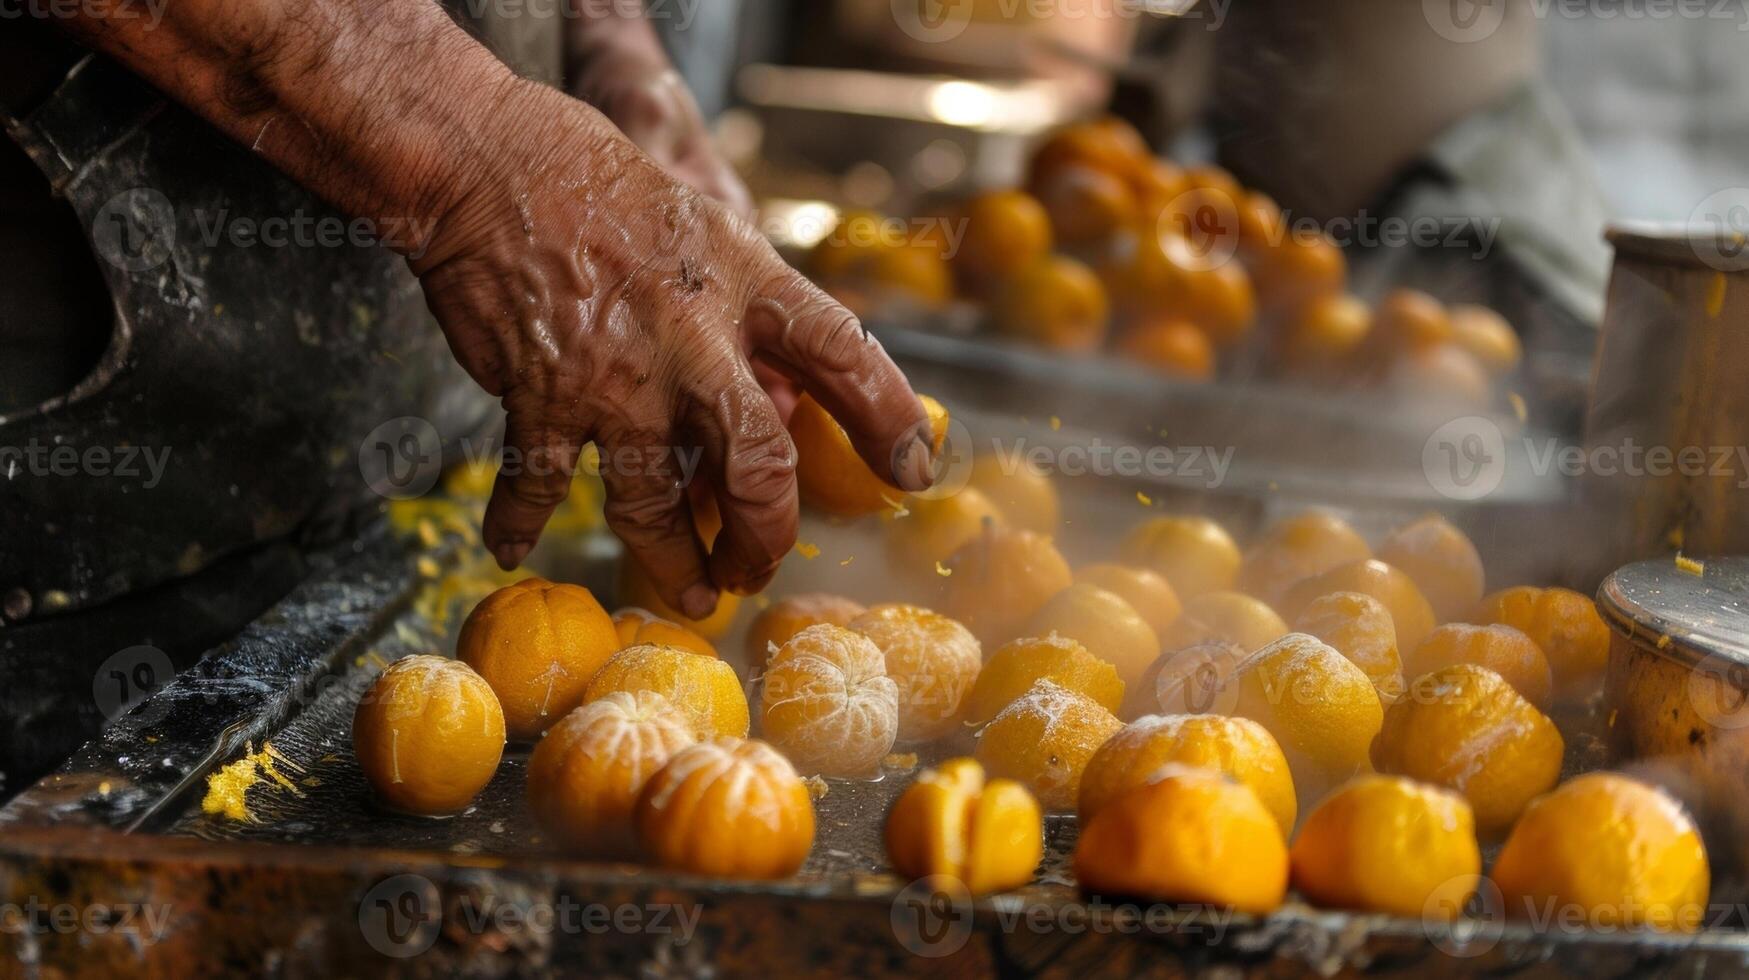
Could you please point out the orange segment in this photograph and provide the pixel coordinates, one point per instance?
(950, 821)
(537, 643)
(428, 735)
(828, 703)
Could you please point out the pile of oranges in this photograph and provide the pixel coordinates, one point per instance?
(1174, 268)
(1347, 718)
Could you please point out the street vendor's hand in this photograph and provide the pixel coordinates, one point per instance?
(601, 298)
(605, 301)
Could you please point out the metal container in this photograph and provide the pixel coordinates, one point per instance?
(1677, 693)
(1665, 460)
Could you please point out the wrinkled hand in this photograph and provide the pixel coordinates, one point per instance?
(605, 301)
(648, 100)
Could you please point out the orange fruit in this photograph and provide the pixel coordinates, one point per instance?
(1198, 679)
(1625, 853)
(1208, 219)
(729, 808)
(1441, 561)
(1103, 623)
(585, 775)
(933, 528)
(1564, 623)
(1000, 579)
(1261, 223)
(1231, 616)
(705, 689)
(914, 272)
(1005, 231)
(1176, 348)
(1023, 492)
(1106, 144)
(1238, 747)
(1410, 612)
(1298, 270)
(1147, 592)
(1193, 553)
(428, 735)
(637, 627)
(537, 643)
(1359, 627)
(933, 660)
(1326, 331)
(786, 617)
(1220, 300)
(1319, 706)
(1296, 548)
(1389, 844)
(1443, 373)
(1019, 664)
(831, 475)
(1086, 205)
(1057, 302)
(1156, 183)
(826, 701)
(1409, 318)
(1192, 835)
(1208, 176)
(1501, 649)
(634, 588)
(1463, 727)
(1147, 273)
(854, 237)
(1044, 739)
(1487, 336)
(986, 834)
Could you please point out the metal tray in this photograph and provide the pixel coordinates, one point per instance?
(321, 882)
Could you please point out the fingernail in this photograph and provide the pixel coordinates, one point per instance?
(912, 468)
(698, 601)
(511, 553)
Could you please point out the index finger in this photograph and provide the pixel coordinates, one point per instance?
(823, 345)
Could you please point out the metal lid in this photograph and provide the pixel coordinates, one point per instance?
(1705, 615)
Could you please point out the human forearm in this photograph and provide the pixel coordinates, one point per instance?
(384, 109)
